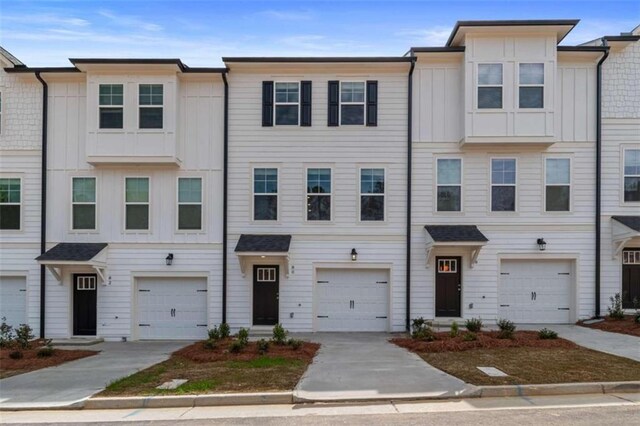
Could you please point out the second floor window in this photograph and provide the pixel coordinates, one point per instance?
(372, 194)
(83, 200)
(137, 203)
(10, 203)
(287, 103)
(557, 185)
(189, 204)
(150, 101)
(319, 194)
(449, 185)
(503, 185)
(531, 89)
(352, 100)
(265, 194)
(632, 175)
(489, 86)
(111, 101)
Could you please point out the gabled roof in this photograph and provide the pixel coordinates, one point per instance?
(455, 233)
(263, 243)
(9, 57)
(562, 26)
(632, 222)
(79, 252)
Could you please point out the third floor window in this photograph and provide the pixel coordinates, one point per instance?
(150, 102)
(111, 101)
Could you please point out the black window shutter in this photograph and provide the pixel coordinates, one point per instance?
(305, 104)
(372, 103)
(334, 103)
(267, 103)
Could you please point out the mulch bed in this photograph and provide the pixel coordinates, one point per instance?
(198, 353)
(30, 360)
(622, 326)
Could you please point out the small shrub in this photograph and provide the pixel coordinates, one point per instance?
(279, 334)
(16, 355)
(469, 336)
(24, 335)
(210, 344)
(421, 330)
(616, 311)
(236, 347)
(263, 346)
(636, 317)
(45, 352)
(224, 330)
(243, 337)
(295, 344)
(473, 325)
(214, 334)
(507, 329)
(545, 334)
(6, 334)
(455, 329)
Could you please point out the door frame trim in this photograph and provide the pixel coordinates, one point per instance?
(461, 261)
(279, 281)
(74, 275)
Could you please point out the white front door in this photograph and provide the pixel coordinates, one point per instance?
(352, 300)
(536, 291)
(172, 308)
(13, 300)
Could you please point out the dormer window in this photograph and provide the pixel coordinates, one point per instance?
(111, 106)
(150, 102)
(531, 86)
(489, 86)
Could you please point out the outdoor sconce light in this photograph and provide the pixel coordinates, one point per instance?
(542, 244)
(354, 255)
(169, 259)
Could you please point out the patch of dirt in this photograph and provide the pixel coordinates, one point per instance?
(30, 360)
(198, 353)
(622, 326)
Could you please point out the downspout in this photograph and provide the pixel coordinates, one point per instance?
(409, 174)
(43, 201)
(598, 175)
(225, 156)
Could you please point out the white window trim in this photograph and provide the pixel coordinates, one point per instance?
(138, 107)
(253, 194)
(364, 104)
(629, 256)
(544, 177)
(306, 194)
(269, 274)
(519, 85)
(201, 204)
(21, 203)
(95, 203)
(275, 104)
(124, 94)
(491, 185)
(624, 175)
(478, 85)
(435, 197)
(148, 204)
(384, 195)
(451, 261)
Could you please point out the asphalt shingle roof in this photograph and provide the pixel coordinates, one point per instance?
(455, 233)
(73, 251)
(632, 222)
(263, 243)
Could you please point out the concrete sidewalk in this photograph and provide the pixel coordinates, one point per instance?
(75, 381)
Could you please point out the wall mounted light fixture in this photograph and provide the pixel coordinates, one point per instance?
(169, 259)
(354, 255)
(542, 244)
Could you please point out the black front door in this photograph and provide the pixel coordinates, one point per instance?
(630, 277)
(265, 294)
(85, 290)
(448, 286)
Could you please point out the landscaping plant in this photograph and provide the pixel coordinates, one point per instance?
(243, 337)
(45, 352)
(545, 334)
(24, 335)
(236, 346)
(279, 334)
(6, 334)
(214, 334)
(295, 344)
(616, 311)
(224, 330)
(210, 344)
(421, 330)
(263, 346)
(469, 336)
(474, 325)
(455, 329)
(16, 355)
(507, 328)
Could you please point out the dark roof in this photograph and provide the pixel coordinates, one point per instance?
(510, 23)
(623, 37)
(263, 243)
(445, 49)
(41, 69)
(455, 233)
(73, 251)
(582, 48)
(319, 59)
(150, 61)
(632, 222)
(15, 61)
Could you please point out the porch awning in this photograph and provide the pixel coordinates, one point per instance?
(468, 236)
(623, 230)
(75, 254)
(262, 246)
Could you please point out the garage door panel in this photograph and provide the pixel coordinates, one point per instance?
(13, 300)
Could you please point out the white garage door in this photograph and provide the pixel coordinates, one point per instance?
(536, 291)
(172, 308)
(13, 300)
(352, 300)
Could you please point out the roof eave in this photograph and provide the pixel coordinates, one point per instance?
(513, 23)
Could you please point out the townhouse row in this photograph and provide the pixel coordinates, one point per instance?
(497, 176)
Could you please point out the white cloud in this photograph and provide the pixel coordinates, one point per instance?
(45, 19)
(434, 36)
(590, 29)
(287, 15)
(130, 21)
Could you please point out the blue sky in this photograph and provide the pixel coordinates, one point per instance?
(47, 32)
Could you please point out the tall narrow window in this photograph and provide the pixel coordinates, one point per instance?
(150, 101)
(10, 203)
(189, 203)
(137, 203)
(558, 185)
(632, 175)
(503, 185)
(490, 86)
(265, 194)
(318, 194)
(449, 185)
(372, 194)
(287, 103)
(111, 106)
(531, 90)
(83, 201)
(352, 100)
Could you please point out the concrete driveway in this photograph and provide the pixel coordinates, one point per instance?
(365, 366)
(75, 381)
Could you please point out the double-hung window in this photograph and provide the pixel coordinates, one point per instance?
(558, 185)
(352, 101)
(449, 182)
(631, 175)
(503, 185)
(189, 204)
(531, 89)
(137, 203)
(319, 194)
(489, 86)
(150, 103)
(372, 194)
(287, 103)
(111, 100)
(83, 200)
(265, 194)
(10, 203)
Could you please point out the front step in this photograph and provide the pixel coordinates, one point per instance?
(261, 331)
(77, 341)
